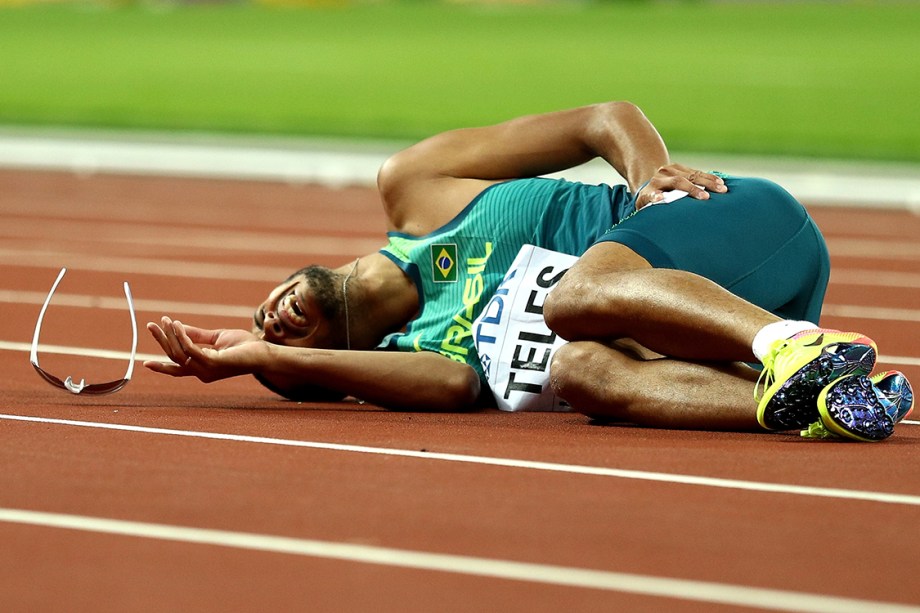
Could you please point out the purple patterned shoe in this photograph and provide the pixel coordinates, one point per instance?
(896, 390)
(852, 407)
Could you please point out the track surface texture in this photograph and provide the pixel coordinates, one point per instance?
(172, 495)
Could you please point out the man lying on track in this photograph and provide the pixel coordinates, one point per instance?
(735, 272)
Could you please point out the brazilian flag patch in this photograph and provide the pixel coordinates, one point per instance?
(444, 263)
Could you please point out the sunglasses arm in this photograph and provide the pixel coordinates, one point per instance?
(133, 332)
(33, 357)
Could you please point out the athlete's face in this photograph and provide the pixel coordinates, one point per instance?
(303, 311)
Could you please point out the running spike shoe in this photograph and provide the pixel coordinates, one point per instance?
(891, 388)
(797, 369)
(896, 391)
(852, 407)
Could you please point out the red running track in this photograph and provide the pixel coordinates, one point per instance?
(175, 496)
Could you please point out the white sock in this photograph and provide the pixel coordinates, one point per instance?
(778, 330)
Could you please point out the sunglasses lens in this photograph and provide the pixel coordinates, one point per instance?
(81, 387)
(105, 388)
(97, 389)
(48, 377)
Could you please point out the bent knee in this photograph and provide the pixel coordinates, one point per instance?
(571, 301)
(591, 378)
(567, 368)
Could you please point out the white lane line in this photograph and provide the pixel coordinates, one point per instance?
(876, 278)
(756, 486)
(145, 266)
(53, 260)
(141, 357)
(881, 249)
(118, 304)
(86, 352)
(864, 312)
(146, 233)
(344, 162)
(201, 308)
(683, 589)
(291, 160)
(122, 355)
(172, 236)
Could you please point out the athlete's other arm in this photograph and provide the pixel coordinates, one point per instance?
(427, 184)
(420, 381)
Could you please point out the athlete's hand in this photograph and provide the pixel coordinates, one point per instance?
(210, 355)
(672, 177)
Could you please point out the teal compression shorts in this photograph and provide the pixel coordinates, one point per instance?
(756, 241)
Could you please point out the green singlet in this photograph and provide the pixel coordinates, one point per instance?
(756, 240)
(458, 267)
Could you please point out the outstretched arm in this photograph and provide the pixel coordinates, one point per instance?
(422, 381)
(428, 183)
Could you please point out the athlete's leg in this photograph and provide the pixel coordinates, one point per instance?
(612, 292)
(613, 382)
(674, 308)
(697, 280)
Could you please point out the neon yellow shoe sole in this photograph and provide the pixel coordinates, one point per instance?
(799, 368)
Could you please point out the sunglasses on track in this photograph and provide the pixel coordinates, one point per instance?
(68, 383)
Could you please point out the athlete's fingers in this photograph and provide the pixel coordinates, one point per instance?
(707, 181)
(694, 190)
(691, 180)
(201, 335)
(648, 196)
(165, 368)
(678, 179)
(190, 350)
(176, 353)
(159, 336)
(682, 183)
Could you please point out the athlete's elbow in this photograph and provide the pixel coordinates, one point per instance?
(462, 389)
(456, 389)
(619, 110)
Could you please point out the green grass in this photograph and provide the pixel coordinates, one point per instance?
(810, 79)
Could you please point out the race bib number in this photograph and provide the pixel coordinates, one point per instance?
(514, 345)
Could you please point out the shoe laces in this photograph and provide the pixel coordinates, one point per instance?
(817, 430)
(767, 375)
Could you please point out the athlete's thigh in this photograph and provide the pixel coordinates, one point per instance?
(732, 238)
(607, 257)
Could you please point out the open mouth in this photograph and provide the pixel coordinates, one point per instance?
(291, 311)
